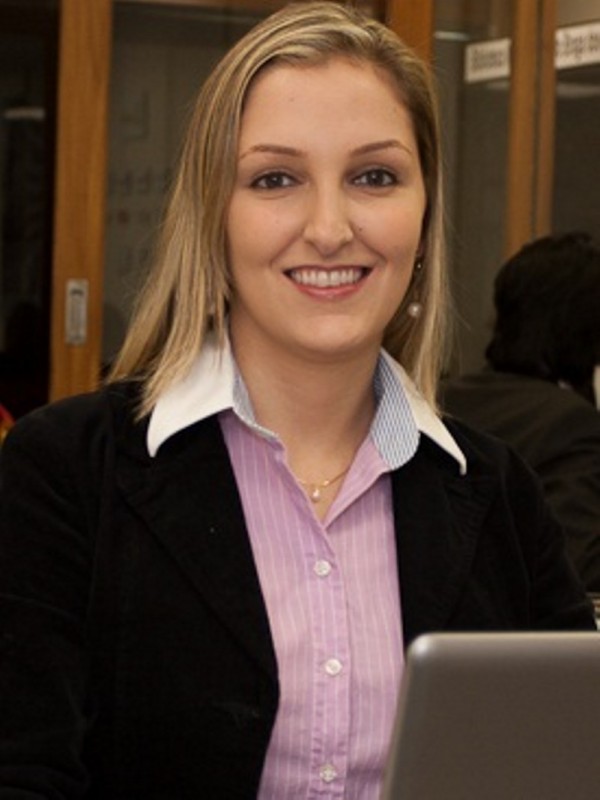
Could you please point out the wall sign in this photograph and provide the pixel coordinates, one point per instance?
(576, 46)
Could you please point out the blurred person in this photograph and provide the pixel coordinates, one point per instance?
(537, 392)
(210, 568)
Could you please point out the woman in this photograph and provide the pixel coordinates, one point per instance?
(211, 566)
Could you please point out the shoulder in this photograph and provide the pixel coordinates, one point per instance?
(118, 399)
(85, 423)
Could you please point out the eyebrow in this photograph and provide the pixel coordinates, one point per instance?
(386, 144)
(364, 149)
(276, 149)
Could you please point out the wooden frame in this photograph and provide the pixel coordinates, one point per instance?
(546, 120)
(531, 126)
(412, 20)
(79, 207)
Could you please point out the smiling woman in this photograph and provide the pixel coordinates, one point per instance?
(192, 275)
(330, 183)
(219, 558)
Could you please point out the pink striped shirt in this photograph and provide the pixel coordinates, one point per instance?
(330, 588)
(332, 595)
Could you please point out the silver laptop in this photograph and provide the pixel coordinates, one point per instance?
(500, 716)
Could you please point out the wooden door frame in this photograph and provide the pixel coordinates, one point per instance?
(412, 20)
(530, 166)
(85, 38)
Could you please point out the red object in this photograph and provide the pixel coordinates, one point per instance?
(6, 422)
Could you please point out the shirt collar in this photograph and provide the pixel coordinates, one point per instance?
(424, 418)
(214, 385)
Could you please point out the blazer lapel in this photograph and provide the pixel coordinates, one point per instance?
(188, 499)
(438, 514)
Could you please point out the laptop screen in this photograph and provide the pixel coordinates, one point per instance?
(498, 716)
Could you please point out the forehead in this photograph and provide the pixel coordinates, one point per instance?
(334, 91)
(321, 68)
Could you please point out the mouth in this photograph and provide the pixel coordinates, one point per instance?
(332, 278)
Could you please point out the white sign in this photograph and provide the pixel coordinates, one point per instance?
(576, 46)
(487, 61)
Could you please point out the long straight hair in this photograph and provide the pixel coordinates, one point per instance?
(188, 287)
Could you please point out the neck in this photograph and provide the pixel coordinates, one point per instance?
(321, 410)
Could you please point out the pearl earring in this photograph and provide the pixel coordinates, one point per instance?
(414, 309)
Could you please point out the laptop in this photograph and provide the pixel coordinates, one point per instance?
(498, 716)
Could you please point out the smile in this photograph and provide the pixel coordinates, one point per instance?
(326, 278)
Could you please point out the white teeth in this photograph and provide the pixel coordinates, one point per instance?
(325, 278)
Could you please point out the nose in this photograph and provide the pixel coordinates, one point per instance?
(328, 225)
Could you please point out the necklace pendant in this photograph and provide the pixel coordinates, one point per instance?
(315, 494)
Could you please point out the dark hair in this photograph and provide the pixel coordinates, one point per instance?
(547, 300)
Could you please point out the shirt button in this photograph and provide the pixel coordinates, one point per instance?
(322, 568)
(333, 666)
(328, 773)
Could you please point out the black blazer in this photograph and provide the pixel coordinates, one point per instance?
(135, 654)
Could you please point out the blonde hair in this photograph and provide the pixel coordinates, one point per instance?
(187, 290)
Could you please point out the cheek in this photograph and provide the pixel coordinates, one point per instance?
(243, 247)
(395, 231)
(257, 230)
(396, 245)
(402, 255)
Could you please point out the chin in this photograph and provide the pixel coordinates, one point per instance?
(337, 348)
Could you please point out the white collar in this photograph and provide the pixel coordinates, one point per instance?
(209, 388)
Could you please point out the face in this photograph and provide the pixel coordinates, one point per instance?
(325, 220)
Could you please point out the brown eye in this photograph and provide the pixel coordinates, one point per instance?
(273, 180)
(376, 178)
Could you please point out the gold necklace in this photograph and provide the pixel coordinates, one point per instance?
(314, 489)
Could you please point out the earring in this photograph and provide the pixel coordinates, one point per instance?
(418, 265)
(414, 309)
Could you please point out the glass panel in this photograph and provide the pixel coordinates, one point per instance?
(471, 57)
(577, 165)
(28, 45)
(161, 54)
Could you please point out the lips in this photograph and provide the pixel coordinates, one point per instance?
(331, 278)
